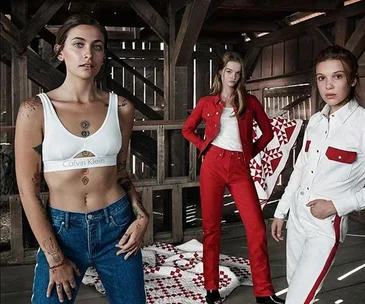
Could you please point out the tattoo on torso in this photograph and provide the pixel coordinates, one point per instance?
(85, 124)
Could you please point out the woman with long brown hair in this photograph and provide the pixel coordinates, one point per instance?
(228, 113)
(79, 134)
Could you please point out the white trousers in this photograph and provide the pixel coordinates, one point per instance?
(311, 248)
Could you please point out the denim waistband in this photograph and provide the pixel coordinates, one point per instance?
(97, 215)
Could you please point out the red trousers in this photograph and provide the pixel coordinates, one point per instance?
(222, 168)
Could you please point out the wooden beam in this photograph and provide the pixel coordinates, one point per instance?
(137, 53)
(38, 70)
(10, 33)
(151, 17)
(275, 81)
(40, 19)
(241, 26)
(117, 61)
(139, 104)
(356, 43)
(283, 5)
(214, 5)
(189, 31)
(301, 28)
(250, 60)
(175, 5)
(47, 35)
(342, 31)
(321, 36)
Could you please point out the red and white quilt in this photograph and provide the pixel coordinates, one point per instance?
(174, 274)
(267, 165)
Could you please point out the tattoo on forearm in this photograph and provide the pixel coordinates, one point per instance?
(38, 149)
(44, 211)
(121, 166)
(139, 211)
(51, 249)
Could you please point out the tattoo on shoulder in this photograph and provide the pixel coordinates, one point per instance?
(28, 106)
(123, 103)
(38, 149)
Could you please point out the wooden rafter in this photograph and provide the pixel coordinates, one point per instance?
(10, 33)
(189, 31)
(302, 27)
(151, 17)
(356, 43)
(322, 37)
(240, 26)
(175, 5)
(139, 104)
(342, 31)
(40, 19)
(283, 5)
(214, 5)
(119, 62)
(250, 60)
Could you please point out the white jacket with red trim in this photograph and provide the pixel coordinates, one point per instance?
(331, 164)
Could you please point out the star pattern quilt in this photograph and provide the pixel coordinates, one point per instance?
(174, 274)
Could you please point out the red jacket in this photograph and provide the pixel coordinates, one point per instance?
(209, 109)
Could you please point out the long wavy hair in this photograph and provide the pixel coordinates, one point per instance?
(349, 62)
(239, 94)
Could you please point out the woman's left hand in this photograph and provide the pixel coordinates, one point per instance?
(321, 208)
(132, 239)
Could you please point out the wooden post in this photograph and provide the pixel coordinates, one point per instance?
(161, 154)
(177, 210)
(147, 199)
(16, 232)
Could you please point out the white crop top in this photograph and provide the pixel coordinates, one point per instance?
(60, 146)
(229, 135)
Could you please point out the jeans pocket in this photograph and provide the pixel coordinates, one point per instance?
(58, 227)
(120, 220)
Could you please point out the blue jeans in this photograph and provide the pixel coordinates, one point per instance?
(89, 239)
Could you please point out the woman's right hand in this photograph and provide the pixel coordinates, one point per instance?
(63, 277)
(276, 229)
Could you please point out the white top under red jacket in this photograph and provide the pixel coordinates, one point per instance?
(331, 164)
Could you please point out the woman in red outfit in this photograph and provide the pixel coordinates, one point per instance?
(228, 113)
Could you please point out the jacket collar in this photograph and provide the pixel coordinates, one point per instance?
(217, 100)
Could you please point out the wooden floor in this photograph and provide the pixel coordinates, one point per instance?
(16, 281)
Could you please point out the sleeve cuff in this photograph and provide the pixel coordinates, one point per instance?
(346, 205)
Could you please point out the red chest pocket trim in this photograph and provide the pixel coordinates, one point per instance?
(342, 156)
(307, 144)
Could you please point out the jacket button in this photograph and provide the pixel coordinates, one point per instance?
(340, 157)
(215, 125)
(208, 114)
(216, 113)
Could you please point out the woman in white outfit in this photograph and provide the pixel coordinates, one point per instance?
(328, 178)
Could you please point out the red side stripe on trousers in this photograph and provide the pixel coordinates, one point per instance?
(328, 263)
